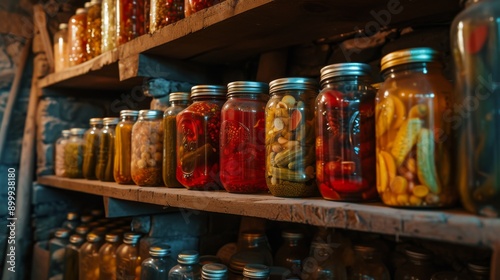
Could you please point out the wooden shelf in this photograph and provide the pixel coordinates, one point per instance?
(454, 225)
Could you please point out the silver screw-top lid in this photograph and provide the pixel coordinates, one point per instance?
(62, 233)
(179, 96)
(188, 257)
(214, 271)
(160, 250)
(345, 69)
(479, 267)
(63, 26)
(296, 83)
(409, 56)
(246, 87)
(131, 237)
(99, 230)
(93, 237)
(72, 216)
(76, 239)
(82, 230)
(95, 121)
(257, 271)
(292, 234)
(150, 114)
(77, 131)
(208, 90)
(418, 254)
(65, 133)
(129, 113)
(111, 121)
(112, 237)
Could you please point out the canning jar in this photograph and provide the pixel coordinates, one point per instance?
(325, 261)
(123, 147)
(77, 37)
(147, 148)
(367, 265)
(290, 152)
(91, 137)
(479, 270)
(197, 145)
(418, 266)
(255, 271)
(108, 25)
(130, 20)
(61, 48)
(252, 248)
(413, 136)
(345, 126)
(128, 259)
(214, 271)
(71, 221)
(57, 247)
(106, 155)
(157, 266)
(193, 6)
(107, 257)
(475, 44)
(73, 153)
(179, 101)
(165, 12)
(292, 252)
(71, 256)
(94, 29)
(89, 257)
(60, 145)
(187, 268)
(242, 138)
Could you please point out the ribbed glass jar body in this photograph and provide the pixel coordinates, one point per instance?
(123, 147)
(106, 155)
(77, 38)
(91, 138)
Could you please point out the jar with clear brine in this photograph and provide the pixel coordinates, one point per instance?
(193, 6)
(165, 12)
(89, 257)
(158, 265)
(77, 37)
(73, 153)
(187, 267)
(60, 145)
(290, 137)
(91, 138)
(61, 48)
(107, 257)
(130, 20)
(123, 147)
(345, 126)
(108, 25)
(105, 157)
(413, 138)
(94, 29)
(128, 260)
(147, 148)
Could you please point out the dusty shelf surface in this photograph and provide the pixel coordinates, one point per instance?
(452, 225)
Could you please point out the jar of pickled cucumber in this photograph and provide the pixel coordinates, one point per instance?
(89, 257)
(290, 137)
(123, 147)
(198, 132)
(94, 29)
(128, 259)
(413, 138)
(179, 101)
(193, 6)
(130, 20)
(61, 48)
(345, 126)
(77, 37)
(165, 12)
(147, 148)
(73, 153)
(107, 256)
(91, 138)
(105, 157)
(60, 145)
(108, 25)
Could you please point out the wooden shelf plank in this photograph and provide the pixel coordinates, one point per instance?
(453, 225)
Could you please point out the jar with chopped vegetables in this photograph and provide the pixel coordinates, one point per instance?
(60, 145)
(123, 147)
(130, 20)
(165, 12)
(193, 6)
(77, 37)
(91, 137)
(73, 153)
(105, 158)
(94, 29)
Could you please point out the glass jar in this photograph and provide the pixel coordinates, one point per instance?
(479, 270)
(73, 153)
(417, 267)
(412, 134)
(214, 271)
(61, 48)
(94, 29)
(475, 44)
(292, 253)
(106, 155)
(71, 256)
(60, 145)
(130, 20)
(193, 6)
(242, 138)
(107, 257)
(91, 137)
(252, 248)
(345, 125)
(325, 261)
(71, 221)
(367, 265)
(187, 267)
(123, 147)
(128, 260)
(290, 153)
(108, 25)
(198, 132)
(179, 101)
(158, 265)
(89, 257)
(77, 37)
(147, 148)
(165, 12)
(57, 247)
(255, 271)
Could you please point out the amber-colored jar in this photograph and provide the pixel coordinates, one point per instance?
(61, 48)
(165, 12)
(107, 257)
(128, 260)
(345, 126)
(108, 25)
(179, 101)
(89, 257)
(292, 252)
(193, 6)
(60, 145)
(94, 29)
(71, 257)
(367, 265)
(130, 20)
(105, 157)
(290, 153)
(91, 138)
(413, 138)
(123, 147)
(253, 248)
(418, 266)
(73, 153)
(198, 131)
(77, 37)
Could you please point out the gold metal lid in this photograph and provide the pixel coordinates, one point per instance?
(409, 56)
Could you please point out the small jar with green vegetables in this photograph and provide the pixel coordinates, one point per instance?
(123, 147)
(91, 138)
(73, 153)
(105, 158)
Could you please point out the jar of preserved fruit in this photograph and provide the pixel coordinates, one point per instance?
(73, 153)
(475, 45)
(60, 145)
(165, 12)
(108, 25)
(325, 261)
(94, 29)
(107, 257)
(193, 6)
(252, 248)
(147, 148)
(242, 138)
(71, 257)
(255, 271)
(187, 268)
(157, 266)
(197, 145)
(77, 37)
(61, 48)
(91, 138)
(290, 152)
(57, 247)
(214, 271)
(89, 257)
(123, 147)
(418, 266)
(367, 265)
(345, 141)
(128, 260)
(179, 101)
(130, 20)
(413, 137)
(292, 253)
(106, 154)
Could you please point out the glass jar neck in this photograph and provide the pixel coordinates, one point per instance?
(179, 103)
(254, 243)
(208, 98)
(342, 80)
(253, 96)
(293, 242)
(412, 68)
(95, 126)
(128, 118)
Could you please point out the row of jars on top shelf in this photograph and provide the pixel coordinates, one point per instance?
(103, 25)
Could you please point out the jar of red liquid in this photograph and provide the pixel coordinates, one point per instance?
(345, 139)
(198, 129)
(243, 138)
(130, 19)
(193, 6)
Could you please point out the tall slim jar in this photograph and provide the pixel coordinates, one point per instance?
(108, 25)
(60, 145)
(77, 37)
(91, 138)
(105, 157)
(73, 153)
(123, 147)
(165, 12)
(61, 48)
(94, 29)
(71, 257)
(89, 257)
(107, 257)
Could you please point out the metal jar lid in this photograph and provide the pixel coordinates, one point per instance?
(214, 271)
(188, 257)
(131, 237)
(296, 83)
(150, 114)
(77, 131)
(111, 121)
(129, 113)
(344, 69)
(93, 237)
(72, 216)
(257, 271)
(65, 133)
(246, 87)
(112, 237)
(179, 96)
(479, 267)
(418, 254)
(292, 234)
(75, 239)
(409, 56)
(208, 90)
(62, 233)
(160, 250)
